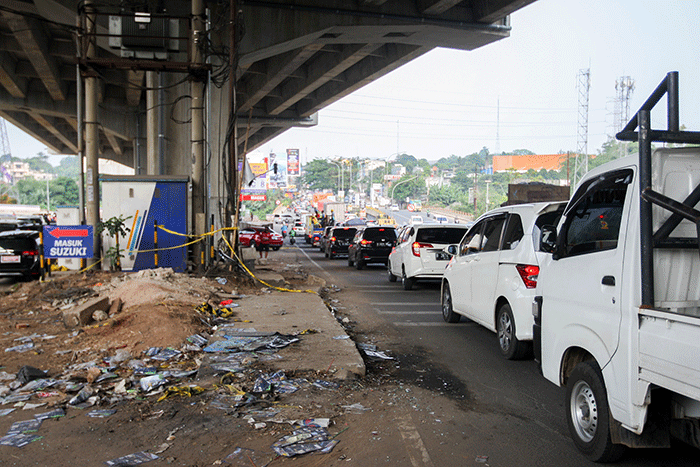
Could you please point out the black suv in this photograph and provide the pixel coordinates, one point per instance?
(19, 254)
(338, 241)
(371, 245)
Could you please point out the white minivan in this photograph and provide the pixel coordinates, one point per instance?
(492, 276)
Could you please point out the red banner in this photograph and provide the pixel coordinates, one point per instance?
(253, 197)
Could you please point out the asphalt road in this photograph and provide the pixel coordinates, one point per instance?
(506, 410)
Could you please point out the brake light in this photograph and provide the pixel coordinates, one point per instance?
(30, 253)
(333, 239)
(528, 274)
(417, 246)
(365, 242)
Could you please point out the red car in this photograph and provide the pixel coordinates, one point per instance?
(260, 236)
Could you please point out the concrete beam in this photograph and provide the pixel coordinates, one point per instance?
(278, 69)
(134, 90)
(114, 143)
(491, 11)
(32, 128)
(14, 84)
(116, 116)
(322, 69)
(50, 125)
(362, 73)
(35, 43)
(436, 7)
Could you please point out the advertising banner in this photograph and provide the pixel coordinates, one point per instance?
(259, 166)
(253, 197)
(68, 241)
(293, 162)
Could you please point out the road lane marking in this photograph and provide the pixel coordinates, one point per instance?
(413, 442)
(314, 262)
(405, 304)
(432, 324)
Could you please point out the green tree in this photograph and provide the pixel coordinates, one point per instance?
(320, 174)
(31, 191)
(69, 167)
(63, 192)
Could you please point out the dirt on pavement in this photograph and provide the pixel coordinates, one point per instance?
(373, 418)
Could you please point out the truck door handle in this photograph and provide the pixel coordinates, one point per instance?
(608, 280)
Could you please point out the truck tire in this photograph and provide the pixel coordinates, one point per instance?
(588, 414)
(509, 345)
(448, 314)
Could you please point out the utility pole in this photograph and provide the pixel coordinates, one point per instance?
(584, 85)
(197, 130)
(92, 138)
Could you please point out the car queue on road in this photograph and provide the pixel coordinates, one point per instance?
(487, 269)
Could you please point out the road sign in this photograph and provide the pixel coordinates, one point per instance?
(68, 241)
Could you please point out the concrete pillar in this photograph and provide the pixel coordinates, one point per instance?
(197, 129)
(152, 156)
(92, 138)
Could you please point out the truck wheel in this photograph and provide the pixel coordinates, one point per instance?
(407, 282)
(588, 414)
(511, 348)
(392, 277)
(448, 314)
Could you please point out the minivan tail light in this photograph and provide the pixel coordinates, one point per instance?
(30, 253)
(365, 242)
(333, 239)
(528, 274)
(417, 246)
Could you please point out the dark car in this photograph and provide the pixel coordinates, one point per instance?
(19, 254)
(371, 245)
(339, 240)
(324, 238)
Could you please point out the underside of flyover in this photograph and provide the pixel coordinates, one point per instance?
(137, 69)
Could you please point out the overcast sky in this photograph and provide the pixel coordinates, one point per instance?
(447, 101)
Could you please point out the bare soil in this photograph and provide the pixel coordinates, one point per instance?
(201, 429)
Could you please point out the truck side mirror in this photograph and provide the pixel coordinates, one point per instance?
(548, 239)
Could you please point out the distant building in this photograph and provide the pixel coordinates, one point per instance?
(524, 163)
(19, 170)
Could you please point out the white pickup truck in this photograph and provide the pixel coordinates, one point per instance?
(617, 312)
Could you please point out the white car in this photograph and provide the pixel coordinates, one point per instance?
(394, 207)
(416, 220)
(419, 252)
(492, 277)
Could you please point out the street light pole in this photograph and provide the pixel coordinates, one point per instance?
(402, 181)
(340, 180)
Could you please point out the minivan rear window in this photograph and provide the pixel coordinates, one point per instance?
(16, 244)
(344, 233)
(440, 235)
(380, 234)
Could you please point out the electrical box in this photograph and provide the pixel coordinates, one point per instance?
(147, 201)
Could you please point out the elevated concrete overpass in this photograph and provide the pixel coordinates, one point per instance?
(64, 72)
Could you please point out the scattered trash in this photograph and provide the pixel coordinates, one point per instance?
(156, 353)
(58, 413)
(356, 408)
(4, 412)
(133, 459)
(317, 422)
(243, 457)
(29, 373)
(182, 391)
(304, 440)
(21, 347)
(325, 384)
(482, 459)
(229, 304)
(82, 396)
(149, 383)
(343, 337)
(221, 280)
(19, 440)
(101, 413)
(380, 355)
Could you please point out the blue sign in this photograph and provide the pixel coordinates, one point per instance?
(68, 241)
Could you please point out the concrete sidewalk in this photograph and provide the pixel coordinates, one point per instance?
(325, 348)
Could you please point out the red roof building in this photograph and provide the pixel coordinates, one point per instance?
(524, 163)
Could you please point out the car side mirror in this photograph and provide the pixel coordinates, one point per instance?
(451, 250)
(548, 240)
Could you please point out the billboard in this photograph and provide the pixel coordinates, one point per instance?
(279, 179)
(293, 162)
(259, 165)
